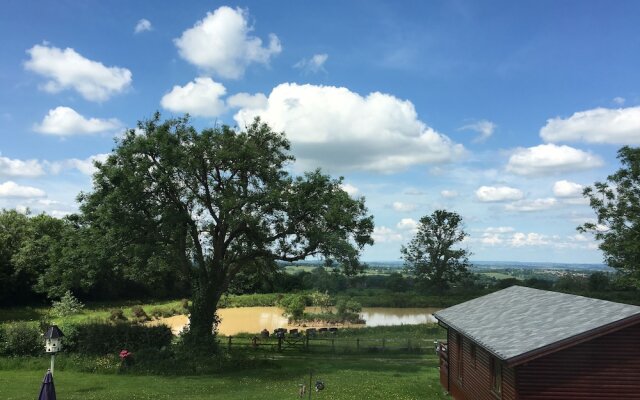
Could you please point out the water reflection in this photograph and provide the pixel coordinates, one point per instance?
(254, 319)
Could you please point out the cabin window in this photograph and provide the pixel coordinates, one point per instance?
(496, 376)
(460, 356)
(473, 355)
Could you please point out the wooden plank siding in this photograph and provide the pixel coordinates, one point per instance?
(607, 367)
(476, 374)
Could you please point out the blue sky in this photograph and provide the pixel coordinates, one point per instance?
(500, 111)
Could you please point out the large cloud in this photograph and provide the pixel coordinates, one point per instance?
(12, 189)
(67, 69)
(221, 43)
(565, 188)
(498, 193)
(201, 98)
(547, 159)
(65, 121)
(342, 130)
(532, 205)
(19, 168)
(599, 125)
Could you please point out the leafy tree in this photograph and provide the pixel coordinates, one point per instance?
(598, 281)
(431, 256)
(13, 232)
(215, 204)
(617, 206)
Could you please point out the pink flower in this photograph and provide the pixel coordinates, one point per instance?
(124, 354)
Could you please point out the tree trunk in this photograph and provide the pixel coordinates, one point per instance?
(203, 318)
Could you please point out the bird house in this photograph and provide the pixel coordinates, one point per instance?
(53, 339)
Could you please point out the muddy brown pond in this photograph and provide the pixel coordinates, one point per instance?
(255, 319)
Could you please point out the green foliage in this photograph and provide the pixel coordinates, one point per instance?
(159, 191)
(139, 314)
(616, 203)
(598, 282)
(99, 338)
(431, 255)
(21, 339)
(117, 315)
(293, 306)
(322, 300)
(68, 305)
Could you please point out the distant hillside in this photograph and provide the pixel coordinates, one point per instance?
(491, 265)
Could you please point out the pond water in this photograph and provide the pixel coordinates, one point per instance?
(254, 319)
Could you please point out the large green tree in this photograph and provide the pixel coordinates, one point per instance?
(216, 204)
(616, 203)
(433, 255)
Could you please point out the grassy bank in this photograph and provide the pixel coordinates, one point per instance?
(345, 377)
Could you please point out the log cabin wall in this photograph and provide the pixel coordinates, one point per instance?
(476, 380)
(607, 367)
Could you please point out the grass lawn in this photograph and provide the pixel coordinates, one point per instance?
(345, 377)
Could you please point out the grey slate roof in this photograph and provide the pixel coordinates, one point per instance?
(517, 320)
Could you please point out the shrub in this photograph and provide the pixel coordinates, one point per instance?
(293, 306)
(139, 314)
(117, 315)
(21, 339)
(68, 305)
(99, 338)
(184, 303)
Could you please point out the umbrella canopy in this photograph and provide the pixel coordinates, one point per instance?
(47, 391)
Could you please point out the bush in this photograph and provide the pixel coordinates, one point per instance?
(293, 306)
(139, 314)
(99, 338)
(184, 303)
(68, 305)
(21, 339)
(117, 315)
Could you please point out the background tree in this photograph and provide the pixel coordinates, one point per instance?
(215, 204)
(617, 206)
(432, 256)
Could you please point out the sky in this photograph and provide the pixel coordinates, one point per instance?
(500, 111)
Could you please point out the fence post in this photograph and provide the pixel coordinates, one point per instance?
(358, 345)
(333, 345)
(229, 345)
(279, 344)
(306, 343)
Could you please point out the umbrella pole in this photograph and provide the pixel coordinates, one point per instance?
(53, 361)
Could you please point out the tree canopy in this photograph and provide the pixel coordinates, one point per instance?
(432, 256)
(216, 205)
(616, 203)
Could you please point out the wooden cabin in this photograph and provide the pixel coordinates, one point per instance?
(529, 344)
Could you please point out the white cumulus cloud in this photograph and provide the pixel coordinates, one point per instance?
(546, 159)
(565, 188)
(66, 69)
(12, 189)
(498, 193)
(142, 26)
(221, 43)
(312, 65)
(201, 98)
(532, 205)
(382, 234)
(65, 121)
(529, 239)
(403, 207)
(599, 125)
(338, 129)
(483, 127)
(85, 166)
(407, 224)
(246, 100)
(352, 190)
(19, 168)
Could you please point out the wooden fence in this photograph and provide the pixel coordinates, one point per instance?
(328, 344)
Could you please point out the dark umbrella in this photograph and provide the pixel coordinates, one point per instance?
(47, 391)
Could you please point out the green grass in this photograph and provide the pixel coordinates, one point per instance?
(345, 377)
